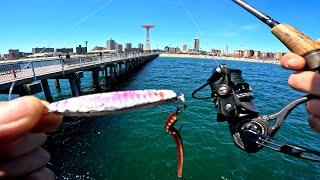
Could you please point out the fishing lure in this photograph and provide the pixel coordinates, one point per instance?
(172, 119)
(115, 102)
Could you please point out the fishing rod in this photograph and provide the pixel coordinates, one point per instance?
(232, 96)
(292, 38)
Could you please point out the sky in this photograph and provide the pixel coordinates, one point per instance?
(69, 23)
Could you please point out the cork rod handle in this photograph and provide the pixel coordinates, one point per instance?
(295, 40)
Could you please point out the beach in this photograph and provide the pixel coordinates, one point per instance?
(269, 61)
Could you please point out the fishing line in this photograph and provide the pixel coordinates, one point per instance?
(191, 17)
(92, 13)
(10, 90)
(83, 19)
(196, 24)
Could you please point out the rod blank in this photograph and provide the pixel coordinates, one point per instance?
(257, 13)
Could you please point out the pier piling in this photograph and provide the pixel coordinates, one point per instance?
(57, 84)
(74, 80)
(95, 77)
(46, 90)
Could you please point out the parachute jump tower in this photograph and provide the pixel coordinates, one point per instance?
(147, 27)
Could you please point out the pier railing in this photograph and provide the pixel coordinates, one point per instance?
(32, 68)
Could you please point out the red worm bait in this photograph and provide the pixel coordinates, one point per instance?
(172, 119)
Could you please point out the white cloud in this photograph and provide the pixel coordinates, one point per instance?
(249, 27)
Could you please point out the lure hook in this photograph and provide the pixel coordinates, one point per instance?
(183, 106)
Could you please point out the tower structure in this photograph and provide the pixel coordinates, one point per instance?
(148, 27)
(196, 44)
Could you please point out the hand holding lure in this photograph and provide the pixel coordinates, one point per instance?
(114, 102)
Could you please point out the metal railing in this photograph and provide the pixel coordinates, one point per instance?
(32, 68)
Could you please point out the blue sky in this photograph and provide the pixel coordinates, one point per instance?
(68, 23)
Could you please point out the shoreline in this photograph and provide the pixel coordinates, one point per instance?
(267, 61)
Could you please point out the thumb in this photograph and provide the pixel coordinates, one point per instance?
(292, 61)
(19, 116)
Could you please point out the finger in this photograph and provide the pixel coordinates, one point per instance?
(48, 121)
(314, 123)
(19, 116)
(307, 81)
(318, 40)
(25, 164)
(43, 173)
(292, 61)
(22, 145)
(313, 108)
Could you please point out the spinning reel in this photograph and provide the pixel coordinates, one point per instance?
(232, 98)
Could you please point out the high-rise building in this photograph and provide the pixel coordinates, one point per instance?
(256, 54)
(174, 50)
(216, 52)
(238, 54)
(42, 50)
(128, 47)
(81, 50)
(196, 44)
(271, 55)
(14, 54)
(248, 53)
(184, 48)
(140, 46)
(5, 56)
(227, 51)
(119, 48)
(166, 49)
(264, 55)
(111, 44)
(24, 54)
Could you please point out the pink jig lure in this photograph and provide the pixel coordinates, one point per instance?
(113, 102)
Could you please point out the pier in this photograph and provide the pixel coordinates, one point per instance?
(31, 76)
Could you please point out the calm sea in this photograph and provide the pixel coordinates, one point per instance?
(134, 145)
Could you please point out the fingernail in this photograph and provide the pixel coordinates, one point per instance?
(291, 63)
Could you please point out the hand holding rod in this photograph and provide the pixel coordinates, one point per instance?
(292, 38)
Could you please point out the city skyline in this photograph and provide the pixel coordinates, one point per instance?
(216, 23)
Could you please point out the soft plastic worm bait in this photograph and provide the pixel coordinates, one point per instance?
(114, 102)
(172, 119)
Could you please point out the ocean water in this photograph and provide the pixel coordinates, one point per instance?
(134, 145)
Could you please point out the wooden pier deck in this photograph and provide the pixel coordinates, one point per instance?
(27, 74)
